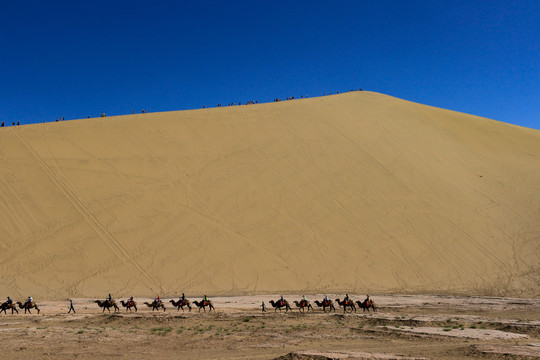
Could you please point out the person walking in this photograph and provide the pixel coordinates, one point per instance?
(263, 307)
(71, 308)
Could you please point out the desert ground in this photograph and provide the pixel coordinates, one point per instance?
(403, 327)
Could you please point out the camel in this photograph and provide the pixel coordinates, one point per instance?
(155, 306)
(326, 304)
(346, 304)
(303, 304)
(27, 306)
(180, 304)
(129, 304)
(279, 304)
(366, 304)
(5, 306)
(203, 304)
(107, 304)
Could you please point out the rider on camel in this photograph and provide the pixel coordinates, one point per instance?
(282, 301)
(326, 300)
(205, 300)
(183, 298)
(347, 299)
(304, 300)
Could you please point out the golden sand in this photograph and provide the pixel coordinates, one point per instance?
(358, 192)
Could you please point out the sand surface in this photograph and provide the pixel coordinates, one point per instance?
(359, 192)
(404, 327)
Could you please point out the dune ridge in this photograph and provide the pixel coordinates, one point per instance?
(358, 192)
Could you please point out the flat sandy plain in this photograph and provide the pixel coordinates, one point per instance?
(404, 327)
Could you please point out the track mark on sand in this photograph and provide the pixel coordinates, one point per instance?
(99, 229)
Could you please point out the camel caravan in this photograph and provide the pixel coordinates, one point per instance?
(157, 304)
(10, 305)
(305, 306)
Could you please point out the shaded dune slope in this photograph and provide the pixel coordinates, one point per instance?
(359, 192)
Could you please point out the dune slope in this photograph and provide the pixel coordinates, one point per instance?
(358, 192)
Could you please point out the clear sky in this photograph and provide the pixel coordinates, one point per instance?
(81, 58)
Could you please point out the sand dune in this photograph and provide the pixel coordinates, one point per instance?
(358, 192)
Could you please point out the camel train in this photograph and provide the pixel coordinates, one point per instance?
(10, 305)
(303, 305)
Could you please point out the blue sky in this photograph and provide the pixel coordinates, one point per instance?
(81, 58)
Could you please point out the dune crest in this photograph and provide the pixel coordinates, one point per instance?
(358, 192)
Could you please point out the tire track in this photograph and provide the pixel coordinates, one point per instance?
(98, 228)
